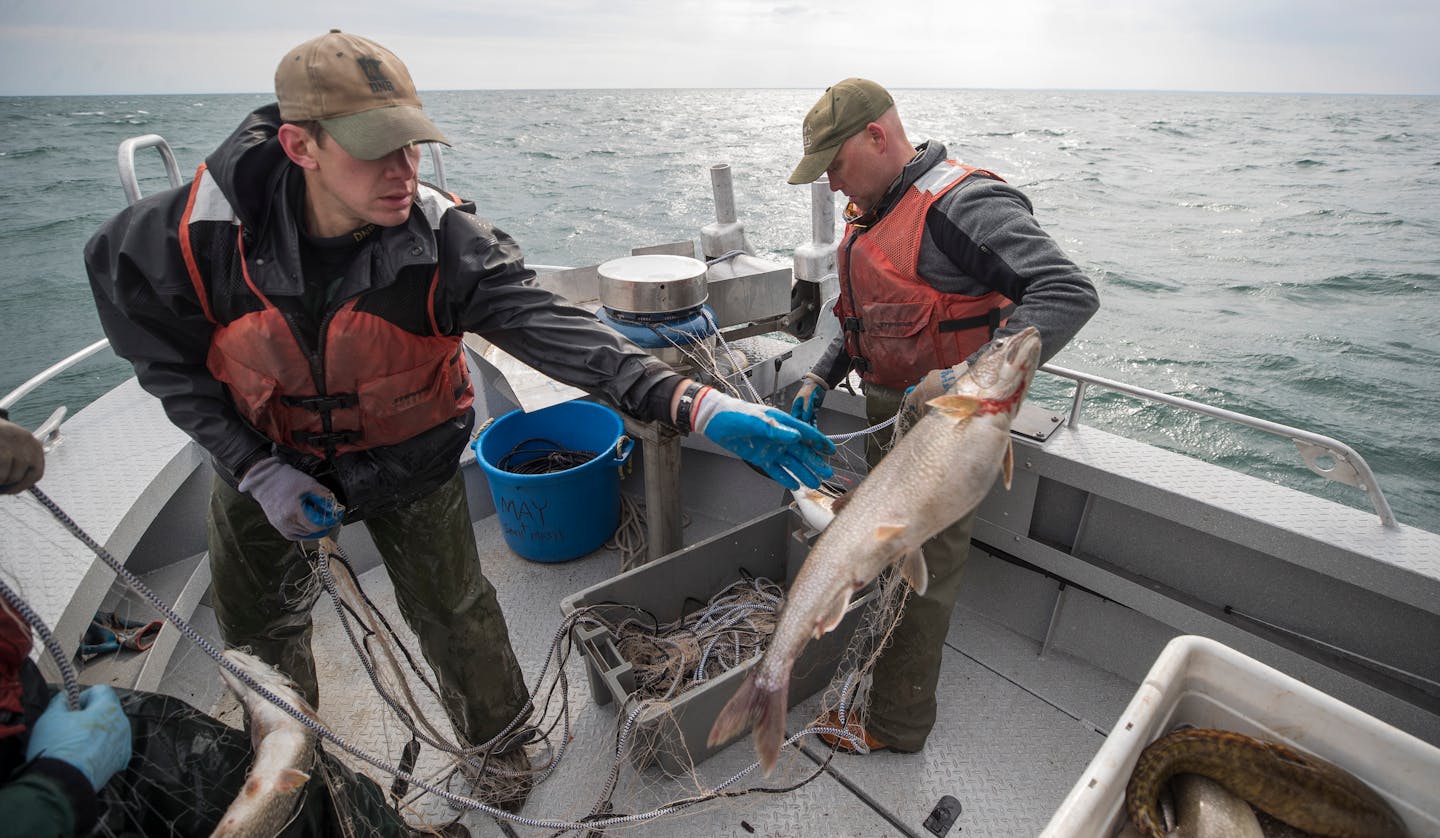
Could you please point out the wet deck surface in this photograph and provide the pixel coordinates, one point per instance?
(1016, 731)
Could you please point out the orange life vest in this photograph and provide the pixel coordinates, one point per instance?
(379, 384)
(897, 326)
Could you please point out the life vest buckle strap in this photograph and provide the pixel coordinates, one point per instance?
(322, 404)
(854, 324)
(324, 440)
(991, 319)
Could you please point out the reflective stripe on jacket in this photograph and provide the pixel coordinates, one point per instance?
(896, 325)
(371, 382)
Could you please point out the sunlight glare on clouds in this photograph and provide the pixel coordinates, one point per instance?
(154, 46)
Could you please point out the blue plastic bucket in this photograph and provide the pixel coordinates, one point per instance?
(559, 515)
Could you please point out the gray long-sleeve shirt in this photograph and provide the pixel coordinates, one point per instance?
(979, 237)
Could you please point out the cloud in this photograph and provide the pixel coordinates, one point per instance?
(148, 46)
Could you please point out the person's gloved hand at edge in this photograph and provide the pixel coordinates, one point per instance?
(935, 384)
(783, 447)
(22, 458)
(809, 398)
(297, 505)
(94, 739)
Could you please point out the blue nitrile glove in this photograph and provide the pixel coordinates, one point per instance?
(809, 398)
(296, 504)
(935, 384)
(766, 437)
(94, 739)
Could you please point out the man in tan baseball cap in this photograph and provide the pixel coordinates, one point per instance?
(299, 308)
(358, 91)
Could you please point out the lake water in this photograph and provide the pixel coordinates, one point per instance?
(1274, 255)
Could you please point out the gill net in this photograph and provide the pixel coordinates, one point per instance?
(449, 782)
(417, 776)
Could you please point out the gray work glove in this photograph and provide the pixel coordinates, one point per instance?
(297, 505)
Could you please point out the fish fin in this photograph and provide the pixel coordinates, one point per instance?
(888, 532)
(766, 708)
(1008, 466)
(957, 406)
(839, 502)
(290, 779)
(832, 617)
(913, 570)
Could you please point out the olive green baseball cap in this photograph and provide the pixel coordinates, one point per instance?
(843, 111)
(358, 91)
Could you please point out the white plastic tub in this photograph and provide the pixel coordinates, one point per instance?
(1200, 682)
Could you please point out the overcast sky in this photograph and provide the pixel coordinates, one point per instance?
(209, 46)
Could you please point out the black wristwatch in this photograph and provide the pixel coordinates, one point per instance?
(687, 403)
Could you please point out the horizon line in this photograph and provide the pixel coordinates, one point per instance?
(1197, 91)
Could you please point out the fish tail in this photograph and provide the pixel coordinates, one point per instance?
(765, 707)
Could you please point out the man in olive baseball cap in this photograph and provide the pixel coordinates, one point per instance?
(358, 91)
(843, 111)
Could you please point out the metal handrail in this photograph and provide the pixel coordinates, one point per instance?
(49, 431)
(126, 154)
(1348, 466)
(130, 182)
(10, 398)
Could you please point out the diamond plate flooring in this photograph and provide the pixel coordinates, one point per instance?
(1004, 749)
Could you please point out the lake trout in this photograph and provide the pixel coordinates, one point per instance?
(934, 476)
(284, 753)
(1302, 790)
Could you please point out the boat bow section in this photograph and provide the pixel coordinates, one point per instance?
(117, 468)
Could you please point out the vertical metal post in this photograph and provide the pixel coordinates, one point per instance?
(662, 494)
(724, 187)
(660, 449)
(1076, 404)
(822, 212)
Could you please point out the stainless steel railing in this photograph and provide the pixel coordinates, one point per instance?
(49, 431)
(1325, 456)
(130, 182)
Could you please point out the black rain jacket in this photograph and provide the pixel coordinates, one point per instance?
(154, 319)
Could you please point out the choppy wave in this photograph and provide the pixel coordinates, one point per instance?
(32, 151)
(1343, 288)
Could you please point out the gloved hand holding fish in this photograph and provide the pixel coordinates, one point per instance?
(918, 397)
(936, 474)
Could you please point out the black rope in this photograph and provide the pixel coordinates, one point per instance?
(538, 455)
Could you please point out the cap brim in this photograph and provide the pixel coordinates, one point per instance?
(372, 134)
(813, 165)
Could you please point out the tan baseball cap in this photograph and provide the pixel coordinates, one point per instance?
(358, 91)
(845, 108)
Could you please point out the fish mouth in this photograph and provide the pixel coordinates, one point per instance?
(1007, 364)
(1020, 344)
